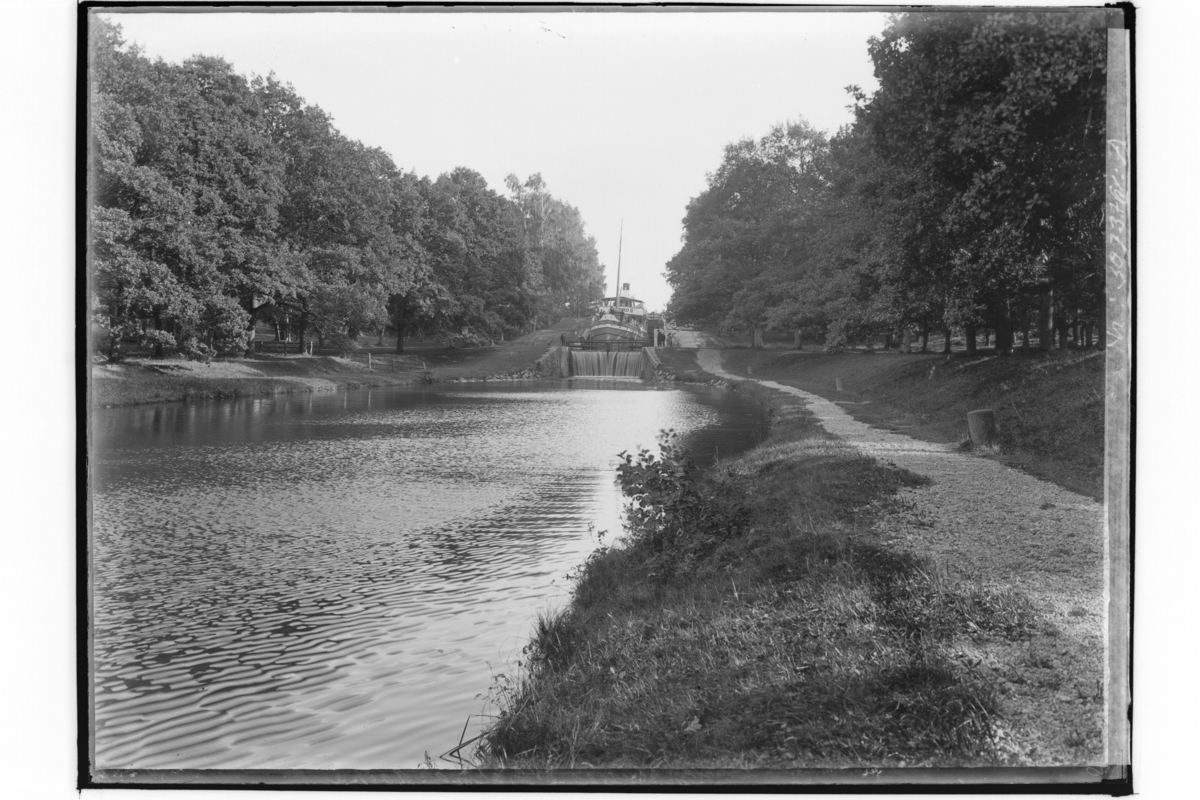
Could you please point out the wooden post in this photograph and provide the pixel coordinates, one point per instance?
(982, 426)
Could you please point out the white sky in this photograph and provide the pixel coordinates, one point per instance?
(622, 113)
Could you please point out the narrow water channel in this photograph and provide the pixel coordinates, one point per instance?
(330, 581)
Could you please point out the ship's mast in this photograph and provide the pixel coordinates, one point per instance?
(620, 239)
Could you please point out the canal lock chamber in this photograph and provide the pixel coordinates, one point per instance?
(605, 364)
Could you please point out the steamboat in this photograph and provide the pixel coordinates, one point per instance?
(611, 345)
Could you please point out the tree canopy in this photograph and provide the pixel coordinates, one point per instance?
(218, 201)
(968, 191)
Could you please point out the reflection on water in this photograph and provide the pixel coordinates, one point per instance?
(328, 581)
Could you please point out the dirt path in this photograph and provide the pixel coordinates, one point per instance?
(999, 527)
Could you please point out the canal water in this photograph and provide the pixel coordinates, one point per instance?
(332, 580)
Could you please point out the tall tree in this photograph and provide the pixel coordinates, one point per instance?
(748, 236)
(337, 219)
(184, 197)
(563, 256)
(216, 202)
(1006, 111)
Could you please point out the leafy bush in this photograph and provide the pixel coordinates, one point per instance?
(344, 343)
(672, 509)
(469, 340)
(195, 350)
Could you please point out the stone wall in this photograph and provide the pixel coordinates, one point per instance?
(556, 363)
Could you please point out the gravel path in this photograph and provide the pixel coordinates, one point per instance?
(999, 527)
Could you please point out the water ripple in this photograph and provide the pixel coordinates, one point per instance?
(325, 582)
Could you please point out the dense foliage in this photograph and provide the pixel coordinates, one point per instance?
(217, 202)
(968, 194)
(674, 515)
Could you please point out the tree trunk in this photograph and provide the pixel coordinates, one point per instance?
(396, 307)
(947, 334)
(1046, 321)
(1062, 337)
(158, 348)
(1004, 330)
(970, 334)
(925, 338)
(798, 345)
(302, 331)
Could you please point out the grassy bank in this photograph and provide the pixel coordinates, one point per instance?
(753, 617)
(680, 366)
(158, 381)
(1050, 410)
(146, 380)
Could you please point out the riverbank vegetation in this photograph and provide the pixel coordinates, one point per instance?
(218, 202)
(967, 197)
(139, 381)
(146, 380)
(753, 616)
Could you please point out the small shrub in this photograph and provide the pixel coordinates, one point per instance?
(195, 350)
(469, 340)
(671, 508)
(344, 343)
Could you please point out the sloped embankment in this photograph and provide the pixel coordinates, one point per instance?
(158, 381)
(1050, 409)
(779, 612)
(163, 380)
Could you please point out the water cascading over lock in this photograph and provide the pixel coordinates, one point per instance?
(597, 363)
